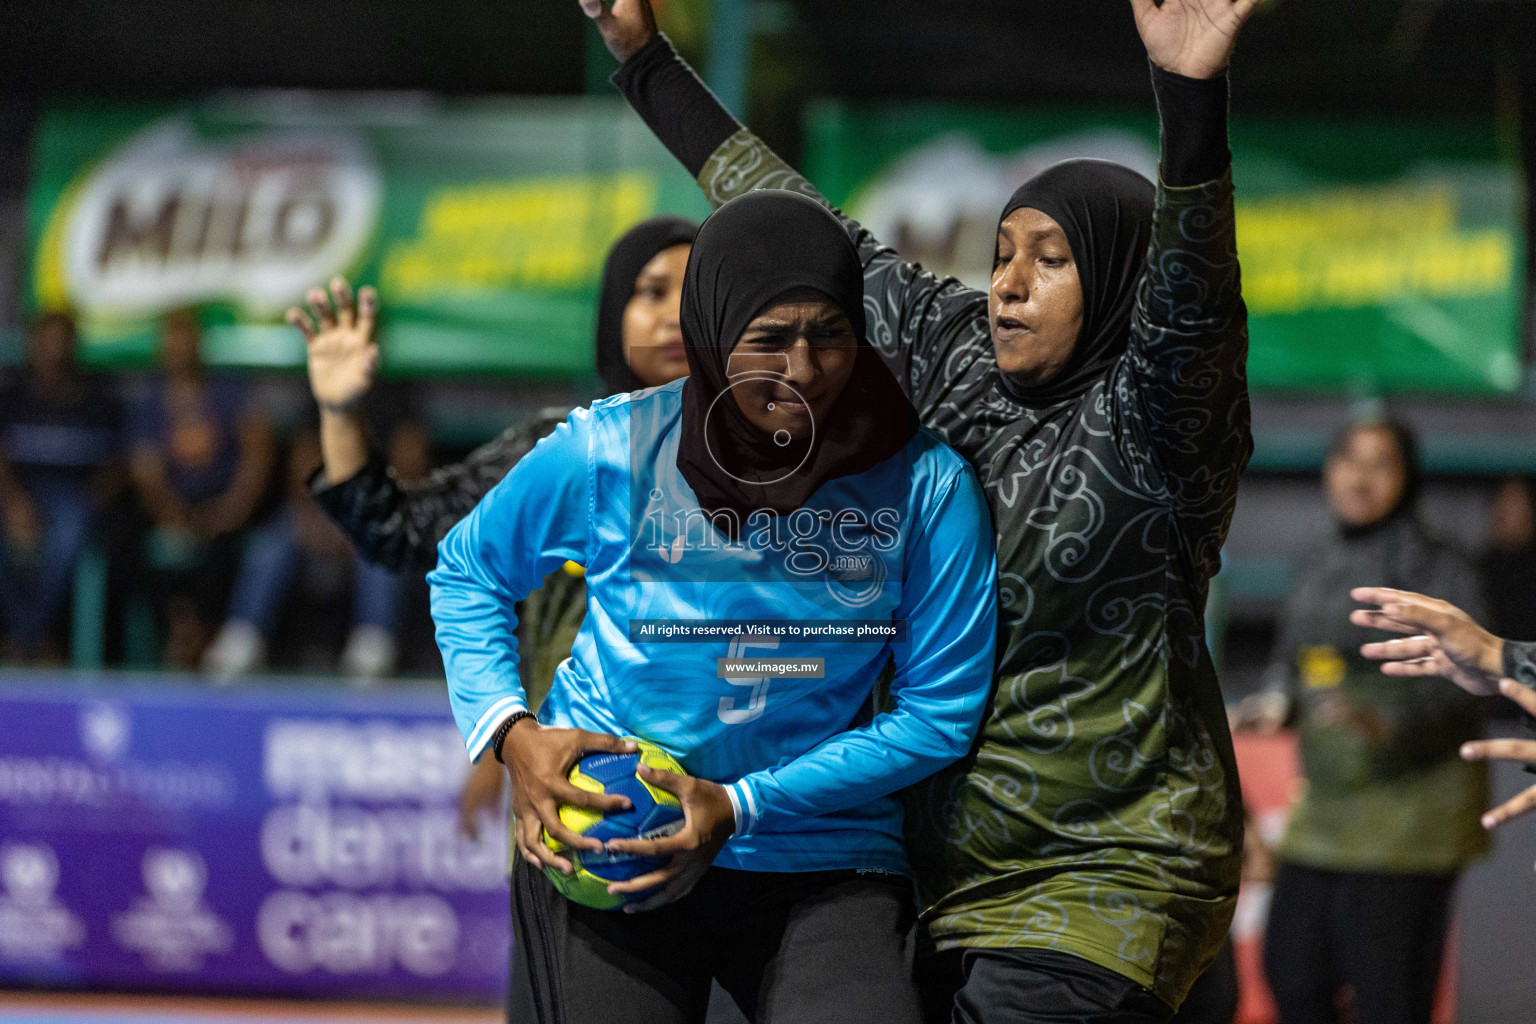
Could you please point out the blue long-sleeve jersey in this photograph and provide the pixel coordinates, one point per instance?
(810, 769)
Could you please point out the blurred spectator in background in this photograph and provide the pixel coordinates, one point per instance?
(1388, 813)
(202, 457)
(1509, 572)
(60, 448)
(300, 544)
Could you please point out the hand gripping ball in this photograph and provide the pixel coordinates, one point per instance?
(655, 813)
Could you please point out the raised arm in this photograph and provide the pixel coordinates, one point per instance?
(392, 524)
(1184, 386)
(912, 314)
(400, 525)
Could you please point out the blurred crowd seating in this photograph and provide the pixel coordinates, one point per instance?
(164, 520)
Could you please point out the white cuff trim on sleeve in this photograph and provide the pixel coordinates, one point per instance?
(480, 736)
(744, 806)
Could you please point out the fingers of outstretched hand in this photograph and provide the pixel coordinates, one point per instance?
(1377, 595)
(1403, 606)
(320, 308)
(300, 319)
(1418, 668)
(1405, 649)
(1501, 750)
(367, 306)
(593, 9)
(341, 298)
(1509, 810)
(1370, 618)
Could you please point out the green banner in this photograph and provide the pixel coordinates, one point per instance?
(1377, 256)
(484, 223)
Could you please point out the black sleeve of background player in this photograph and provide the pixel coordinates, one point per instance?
(1193, 112)
(675, 104)
(1520, 665)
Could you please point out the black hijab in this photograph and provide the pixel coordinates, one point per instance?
(629, 255)
(750, 252)
(1106, 211)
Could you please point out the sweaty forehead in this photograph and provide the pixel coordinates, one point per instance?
(797, 315)
(1029, 224)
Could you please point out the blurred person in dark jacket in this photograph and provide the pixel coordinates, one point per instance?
(201, 459)
(1509, 568)
(60, 460)
(1388, 812)
(299, 551)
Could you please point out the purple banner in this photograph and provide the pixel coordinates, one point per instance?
(283, 841)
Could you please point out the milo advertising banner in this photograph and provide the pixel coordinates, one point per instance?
(1376, 256)
(483, 223)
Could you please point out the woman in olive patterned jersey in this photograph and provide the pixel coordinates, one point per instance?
(1085, 856)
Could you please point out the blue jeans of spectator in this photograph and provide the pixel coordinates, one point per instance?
(35, 586)
(272, 556)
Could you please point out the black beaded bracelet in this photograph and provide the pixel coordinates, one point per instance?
(500, 735)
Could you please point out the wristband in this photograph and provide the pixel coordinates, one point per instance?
(500, 735)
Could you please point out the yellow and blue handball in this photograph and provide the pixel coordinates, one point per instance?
(655, 813)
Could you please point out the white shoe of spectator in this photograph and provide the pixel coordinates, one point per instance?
(237, 651)
(370, 654)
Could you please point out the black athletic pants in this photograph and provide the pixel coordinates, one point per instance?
(1382, 935)
(790, 948)
(1031, 986)
(1214, 996)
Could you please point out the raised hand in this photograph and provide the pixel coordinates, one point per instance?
(625, 25)
(1443, 640)
(343, 357)
(1513, 750)
(1193, 38)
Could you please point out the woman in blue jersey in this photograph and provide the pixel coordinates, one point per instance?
(784, 482)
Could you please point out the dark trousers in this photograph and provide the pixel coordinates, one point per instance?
(1031, 986)
(1214, 996)
(1382, 935)
(789, 948)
